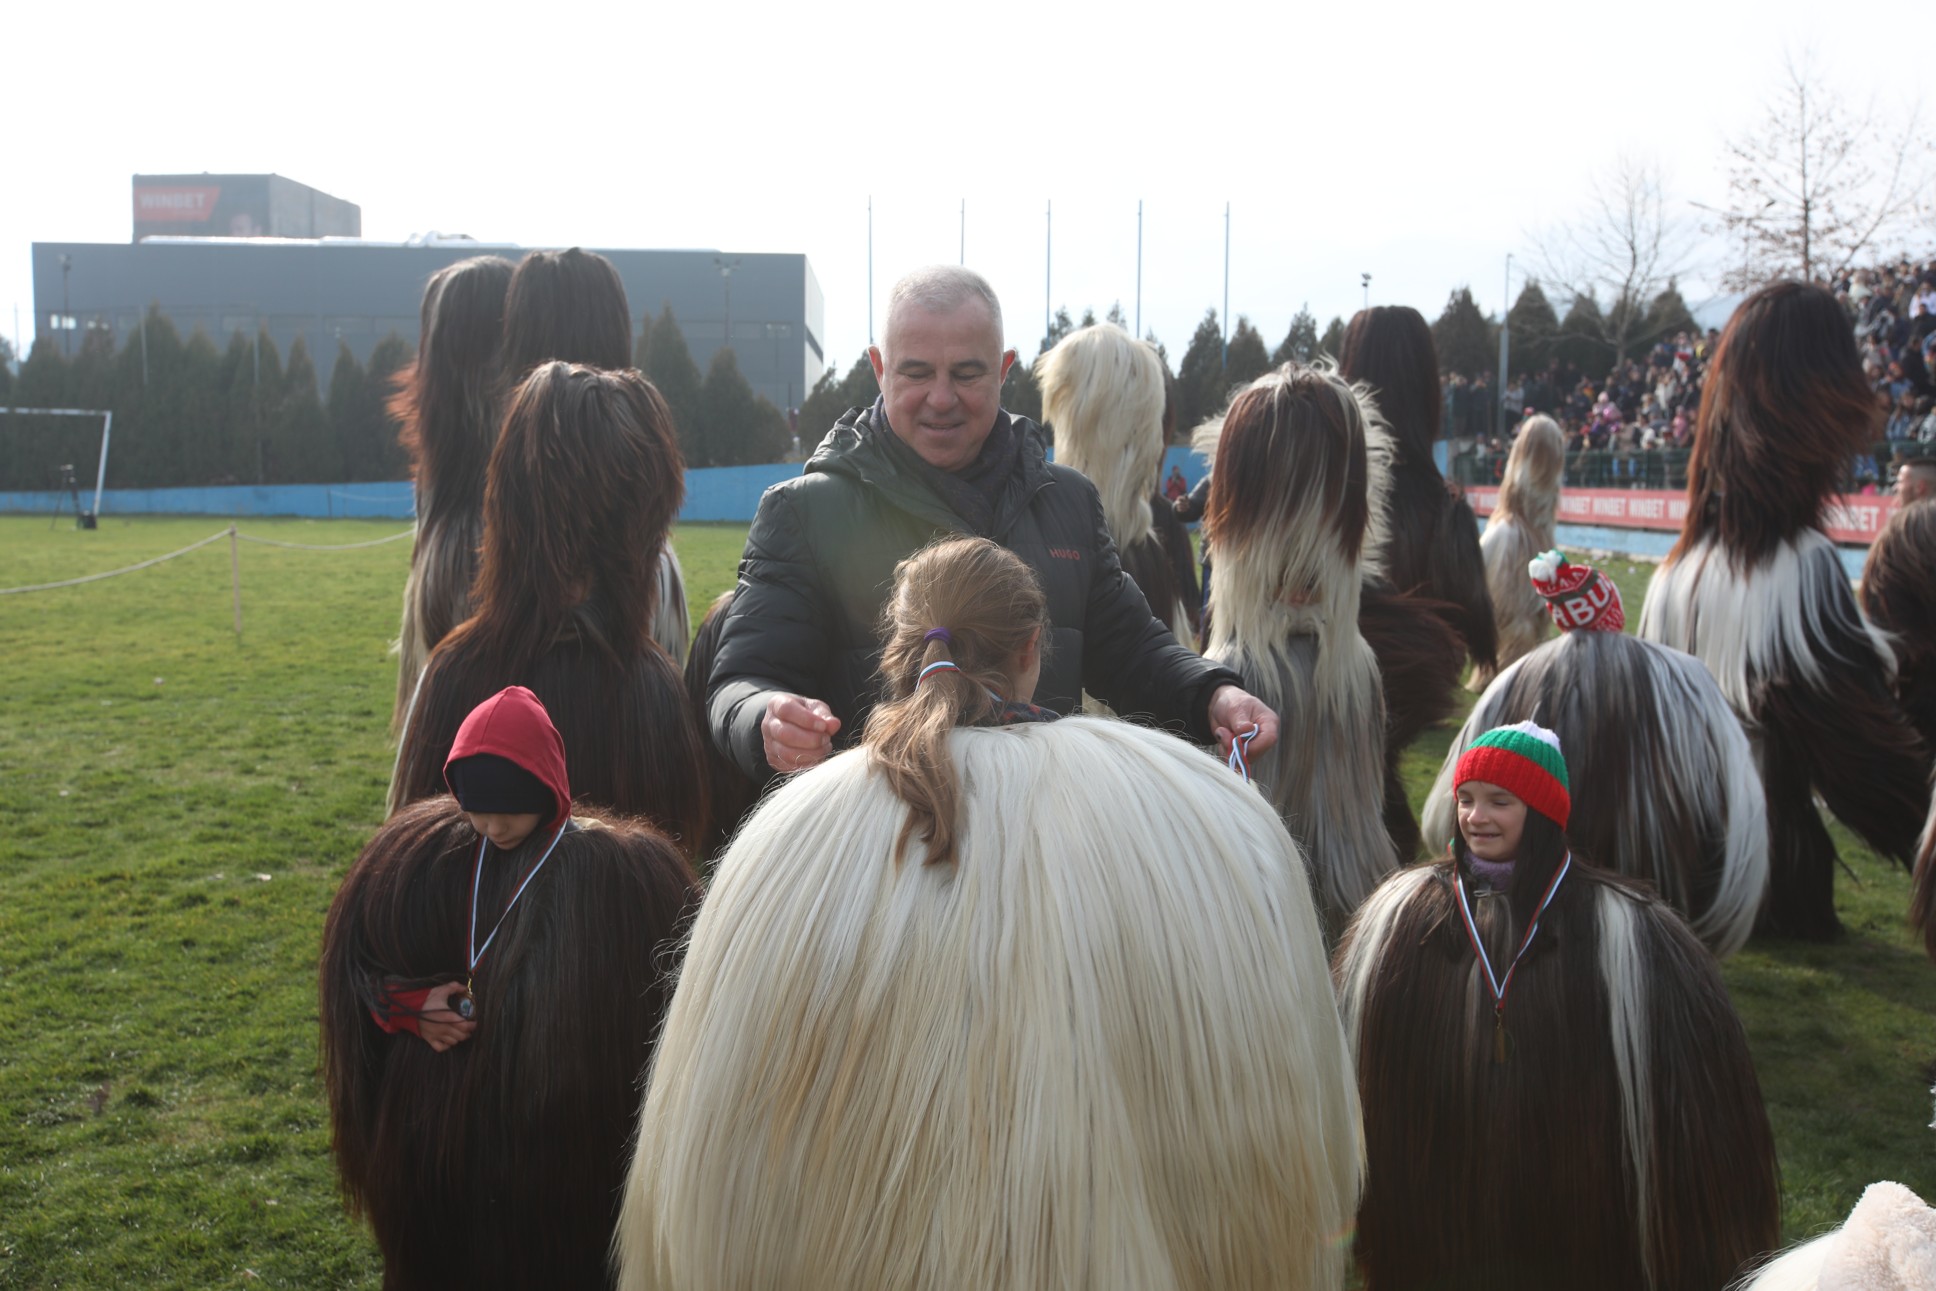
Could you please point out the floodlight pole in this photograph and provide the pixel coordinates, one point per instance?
(1505, 347)
(1226, 285)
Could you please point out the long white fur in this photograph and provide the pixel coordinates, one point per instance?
(1796, 1270)
(1099, 1050)
(1102, 392)
(1371, 930)
(1284, 616)
(1706, 757)
(1754, 622)
(1624, 971)
(671, 624)
(1519, 528)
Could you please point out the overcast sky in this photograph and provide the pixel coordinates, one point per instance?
(1420, 144)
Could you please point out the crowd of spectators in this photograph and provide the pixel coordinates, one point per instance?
(1631, 427)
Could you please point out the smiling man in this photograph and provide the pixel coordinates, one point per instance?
(937, 455)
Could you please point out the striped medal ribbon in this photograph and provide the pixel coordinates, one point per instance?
(477, 871)
(1494, 982)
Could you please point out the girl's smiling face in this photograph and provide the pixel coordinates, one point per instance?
(1491, 819)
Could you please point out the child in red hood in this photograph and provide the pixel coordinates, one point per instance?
(494, 971)
(507, 771)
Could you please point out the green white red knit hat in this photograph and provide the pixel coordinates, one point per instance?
(1577, 596)
(1524, 759)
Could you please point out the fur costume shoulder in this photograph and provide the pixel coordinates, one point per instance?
(1622, 1142)
(1791, 652)
(994, 1047)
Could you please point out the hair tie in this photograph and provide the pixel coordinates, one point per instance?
(938, 634)
(936, 666)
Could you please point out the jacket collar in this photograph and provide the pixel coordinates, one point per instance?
(854, 448)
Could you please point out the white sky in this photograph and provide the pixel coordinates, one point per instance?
(1421, 143)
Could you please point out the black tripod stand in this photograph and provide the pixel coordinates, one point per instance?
(82, 519)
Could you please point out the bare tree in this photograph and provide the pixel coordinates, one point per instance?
(1626, 246)
(1816, 185)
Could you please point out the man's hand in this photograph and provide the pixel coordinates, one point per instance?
(439, 1025)
(1234, 711)
(799, 733)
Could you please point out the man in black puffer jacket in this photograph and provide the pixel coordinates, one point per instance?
(937, 455)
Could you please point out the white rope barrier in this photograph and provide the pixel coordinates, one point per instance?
(230, 533)
(307, 546)
(112, 573)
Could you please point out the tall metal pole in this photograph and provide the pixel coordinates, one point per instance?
(1139, 266)
(1226, 283)
(964, 231)
(1367, 285)
(1505, 346)
(1048, 272)
(870, 271)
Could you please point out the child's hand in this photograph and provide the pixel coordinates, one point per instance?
(439, 1025)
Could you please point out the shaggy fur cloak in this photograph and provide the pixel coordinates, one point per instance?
(497, 1163)
(1670, 790)
(1622, 1144)
(1899, 597)
(1519, 528)
(1290, 515)
(1102, 395)
(1813, 682)
(1097, 1050)
(1755, 590)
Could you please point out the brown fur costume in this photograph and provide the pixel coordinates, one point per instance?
(1622, 1143)
(497, 1163)
(1755, 590)
(584, 484)
(446, 407)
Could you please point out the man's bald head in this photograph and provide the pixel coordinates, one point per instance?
(942, 289)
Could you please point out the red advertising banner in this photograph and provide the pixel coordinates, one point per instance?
(175, 203)
(1849, 517)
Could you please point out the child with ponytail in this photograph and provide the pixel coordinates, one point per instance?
(929, 1010)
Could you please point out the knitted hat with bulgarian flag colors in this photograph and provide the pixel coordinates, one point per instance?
(1523, 759)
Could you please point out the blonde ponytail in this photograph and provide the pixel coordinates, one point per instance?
(962, 613)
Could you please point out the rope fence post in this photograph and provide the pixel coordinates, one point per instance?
(235, 580)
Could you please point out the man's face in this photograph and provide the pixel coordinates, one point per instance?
(941, 379)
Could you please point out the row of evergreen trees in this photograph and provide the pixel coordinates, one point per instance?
(187, 412)
(1589, 339)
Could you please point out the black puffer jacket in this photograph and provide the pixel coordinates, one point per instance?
(819, 565)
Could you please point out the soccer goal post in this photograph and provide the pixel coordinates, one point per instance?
(107, 430)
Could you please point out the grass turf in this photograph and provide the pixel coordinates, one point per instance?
(177, 808)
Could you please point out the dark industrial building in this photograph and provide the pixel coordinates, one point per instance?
(239, 206)
(329, 287)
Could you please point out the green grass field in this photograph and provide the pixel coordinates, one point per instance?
(176, 809)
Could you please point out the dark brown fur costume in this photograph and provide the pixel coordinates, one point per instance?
(446, 406)
(1754, 589)
(584, 484)
(498, 1163)
(1521, 1174)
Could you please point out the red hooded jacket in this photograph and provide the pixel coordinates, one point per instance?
(513, 725)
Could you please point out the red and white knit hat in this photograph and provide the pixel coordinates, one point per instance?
(1577, 596)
